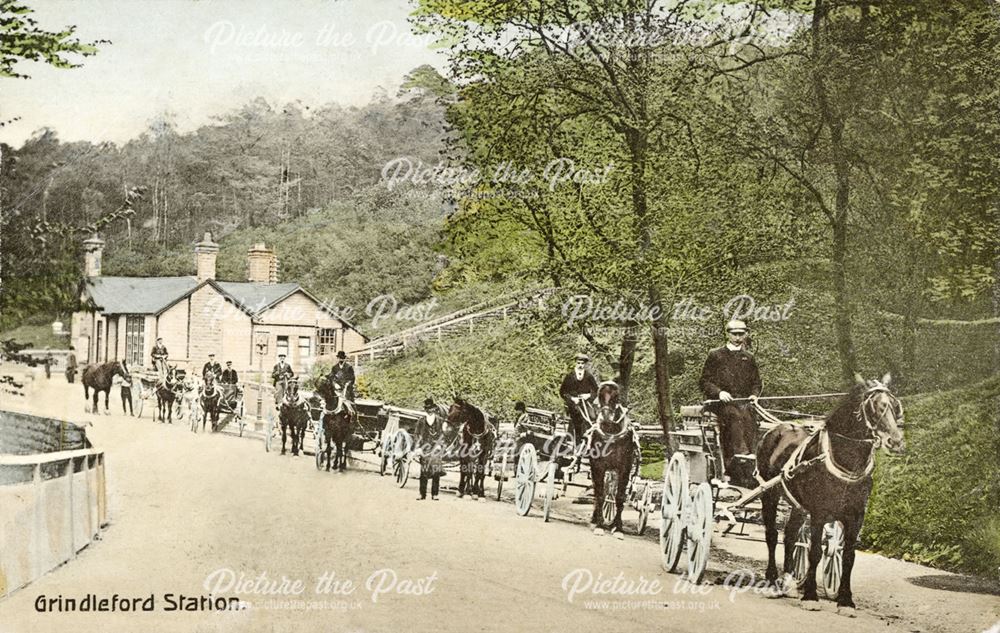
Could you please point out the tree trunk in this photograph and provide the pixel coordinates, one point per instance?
(840, 213)
(662, 368)
(626, 359)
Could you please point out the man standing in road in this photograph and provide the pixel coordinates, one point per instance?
(430, 435)
(71, 365)
(732, 380)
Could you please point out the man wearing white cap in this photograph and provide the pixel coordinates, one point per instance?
(731, 378)
(579, 384)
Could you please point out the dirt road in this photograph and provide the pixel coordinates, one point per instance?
(200, 514)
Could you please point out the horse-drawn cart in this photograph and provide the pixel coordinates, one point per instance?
(696, 494)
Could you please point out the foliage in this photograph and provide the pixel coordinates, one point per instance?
(22, 40)
(937, 505)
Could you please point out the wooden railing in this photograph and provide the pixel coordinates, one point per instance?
(52, 505)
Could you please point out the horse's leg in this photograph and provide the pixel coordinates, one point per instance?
(329, 448)
(463, 467)
(809, 598)
(624, 470)
(597, 478)
(284, 429)
(295, 438)
(342, 455)
(852, 527)
(107, 397)
(769, 514)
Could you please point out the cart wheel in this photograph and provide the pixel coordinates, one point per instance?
(320, 456)
(550, 491)
(502, 475)
(800, 556)
(832, 561)
(610, 490)
(384, 463)
(645, 506)
(699, 532)
(525, 479)
(402, 446)
(675, 500)
(269, 433)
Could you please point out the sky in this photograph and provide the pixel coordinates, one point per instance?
(199, 58)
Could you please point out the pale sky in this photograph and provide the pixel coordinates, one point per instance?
(198, 58)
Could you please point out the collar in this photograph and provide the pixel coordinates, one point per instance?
(579, 373)
(734, 348)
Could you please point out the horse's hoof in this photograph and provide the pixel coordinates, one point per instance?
(618, 535)
(460, 495)
(811, 605)
(847, 612)
(598, 532)
(789, 586)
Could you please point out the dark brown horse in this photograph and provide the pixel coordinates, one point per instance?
(611, 448)
(209, 400)
(166, 393)
(99, 378)
(477, 437)
(827, 474)
(338, 425)
(293, 414)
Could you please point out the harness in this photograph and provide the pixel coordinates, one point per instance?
(795, 464)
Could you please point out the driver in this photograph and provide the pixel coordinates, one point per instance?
(578, 385)
(281, 373)
(731, 378)
(159, 357)
(341, 376)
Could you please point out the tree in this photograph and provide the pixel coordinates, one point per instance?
(23, 40)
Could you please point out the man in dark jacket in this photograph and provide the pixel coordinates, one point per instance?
(577, 386)
(71, 365)
(731, 379)
(280, 376)
(159, 358)
(212, 366)
(229, 375)
(430, 440)
(342, 376)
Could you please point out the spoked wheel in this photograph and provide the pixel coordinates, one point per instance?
(402, 446)
(699, 532)
(524, 493)
(800, 556)
(502, 475)
(610, 490)
(645, 507)
(832, 561)
(320, 455)
(385, 463)
(550, 491)
(675, 500)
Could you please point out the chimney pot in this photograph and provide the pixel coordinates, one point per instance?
(93, 250)
(204, 257)
(262, 264)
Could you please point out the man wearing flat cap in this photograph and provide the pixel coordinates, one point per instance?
(731, 380)
(578, 384)
(212, 366)
(280, 375)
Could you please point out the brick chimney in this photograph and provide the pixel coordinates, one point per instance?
(204, 257)
(262, 265)
(93, 249)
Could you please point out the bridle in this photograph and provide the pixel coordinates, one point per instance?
(595, 425)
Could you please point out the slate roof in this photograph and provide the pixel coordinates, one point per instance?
(137, 295)
(256, 297)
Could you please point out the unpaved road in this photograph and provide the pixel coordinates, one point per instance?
(183, 506)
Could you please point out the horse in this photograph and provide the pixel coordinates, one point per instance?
(98, 378)
(294, 416)
(209, 400)
(612, 447)
(477, 440)
(166, 393)
(338, 425)
(827, 475)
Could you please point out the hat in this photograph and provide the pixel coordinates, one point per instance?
(229, 362)
(341, 354)
(736, 326)
(583, 357)
(281, 355)
(519, 406)
(211, 355)
(429, 403)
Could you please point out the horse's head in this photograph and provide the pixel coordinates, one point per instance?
(457, 412)
(292, 391)
(121, 368)
(881, 412)
(610, 415)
